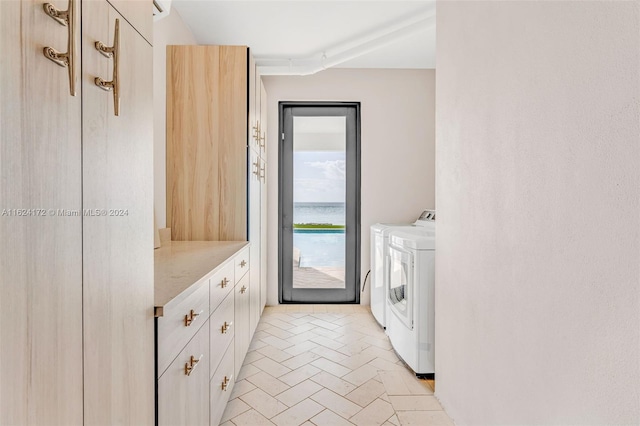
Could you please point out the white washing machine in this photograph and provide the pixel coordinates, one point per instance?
(410, 295)
(380, 261)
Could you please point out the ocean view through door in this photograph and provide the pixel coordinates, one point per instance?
(319, 203)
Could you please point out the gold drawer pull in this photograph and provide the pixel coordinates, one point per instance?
(256, 132)
(225, 327)
(67, 60)
(190, 366)
(243, 289)
(224, 282)
(225, 382)
(262, 139)
(243, 264)
(191, 317)
(111, 52)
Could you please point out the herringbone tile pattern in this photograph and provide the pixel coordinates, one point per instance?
(327, 365)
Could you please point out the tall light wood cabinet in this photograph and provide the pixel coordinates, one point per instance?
(40, 253)
(76, 250)
(216, 152)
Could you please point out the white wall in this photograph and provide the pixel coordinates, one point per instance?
(169, 30)
(398, 119)
(538, 187)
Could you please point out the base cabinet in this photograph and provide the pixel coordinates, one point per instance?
(182, 388)
(243, 331)
(208, 326)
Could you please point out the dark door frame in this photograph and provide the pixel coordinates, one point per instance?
(282, 261)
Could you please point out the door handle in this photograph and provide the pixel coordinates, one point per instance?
(112, 52)
(66, 60)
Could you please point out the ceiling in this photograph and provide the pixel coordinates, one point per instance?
(304, 30)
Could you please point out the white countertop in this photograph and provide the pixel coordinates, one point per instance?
(180, 264)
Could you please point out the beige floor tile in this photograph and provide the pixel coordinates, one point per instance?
(277, 342)
(330, 367)
(303, 328)
(325, 324)
(241, 387)
(424, 418)
(299, 375)
(302, 337)
(382, 343)
(270, 366)
(299, 348)
(403, 383)
(326, 333)
(329, 418)
(361, 375)
(252, 356)
(383, 364)
(381, 353)
(375, 413)
(366, 394)
(278, 332)
(385, 397)
(256, 344)
(251, 418)
(326, 342)
(264, 403)
(329, 354)
(234, 408)
(282, 325)
(336, 403)
(394, 420)
(354, 348)
(299, 392)
(339, 386)
(300, 360)
(227, 423)
(275, 354)
(247, 370)
(356, 361)
(307, 423)
(268, 383)
(415, 403)
(298, 414)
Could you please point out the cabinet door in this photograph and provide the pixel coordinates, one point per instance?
(40, 250)
(263, 198)
(255, 187)
(139, 13)
(118, 240)
(254, 105)
(242, 304)
(183, 390)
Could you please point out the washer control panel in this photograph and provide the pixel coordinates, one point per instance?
(428, 215)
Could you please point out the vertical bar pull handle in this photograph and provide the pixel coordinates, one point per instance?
(112, 52)
(67, 60)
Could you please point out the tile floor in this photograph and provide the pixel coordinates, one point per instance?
(327, 365)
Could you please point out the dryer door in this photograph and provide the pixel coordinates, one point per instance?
(401, 284)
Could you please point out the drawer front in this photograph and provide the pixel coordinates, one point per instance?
(222, 328)
(241, 261)
(180, 323)
(183, 390)
(220, 392)
(221, 284)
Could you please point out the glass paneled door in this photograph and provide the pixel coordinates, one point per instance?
(319, 203)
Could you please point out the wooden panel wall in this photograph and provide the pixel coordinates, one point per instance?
(207, 142)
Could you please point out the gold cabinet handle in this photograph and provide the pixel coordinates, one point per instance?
(243, 289)
(256, 132)
(190, 366)
(225, 382)
(263, 140)
(224, 282)
(66, 60)
(263, 173)
(112, 52)
(225, 327)
(191, 317)
(243, 264)
(257, 166)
